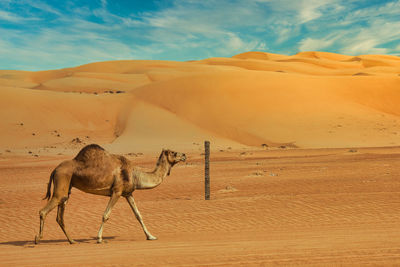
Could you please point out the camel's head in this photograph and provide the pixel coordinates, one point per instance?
(173, 157)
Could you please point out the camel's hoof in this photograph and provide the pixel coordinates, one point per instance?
(37, 239)
(99, 241)
(72, 242)
(151, 238)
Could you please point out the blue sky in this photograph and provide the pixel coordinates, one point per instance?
(39, 34)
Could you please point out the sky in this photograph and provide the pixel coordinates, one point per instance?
(43, 34)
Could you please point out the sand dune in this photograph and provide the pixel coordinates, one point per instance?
(160, 128)
(311, 99)
(36, 118)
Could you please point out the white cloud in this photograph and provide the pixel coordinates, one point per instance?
(309, 11)
(207, 25)
(234, 44)
(360, 31)
(42, 6)
(285, 32)
(310, 44)
(365, 47)
(369, 14)
(4, 15)
(302, 11)
(10, 17)
(314, 9)
(369, 40)
(59, 49)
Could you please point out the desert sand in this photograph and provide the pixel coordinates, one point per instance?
(304, 163)
(308, 100)
(316, 207)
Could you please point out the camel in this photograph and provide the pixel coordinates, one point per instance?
(98, 172)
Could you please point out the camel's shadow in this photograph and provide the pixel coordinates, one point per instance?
(31, 243)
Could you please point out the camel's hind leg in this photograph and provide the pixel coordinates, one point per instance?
(60, 220)
(113, 200)
(43, 213)
(62, 181)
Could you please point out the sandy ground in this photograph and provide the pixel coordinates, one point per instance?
(318, 207)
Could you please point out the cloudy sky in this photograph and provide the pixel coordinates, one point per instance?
(40, 34)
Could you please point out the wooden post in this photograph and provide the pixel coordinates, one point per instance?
(207, 169)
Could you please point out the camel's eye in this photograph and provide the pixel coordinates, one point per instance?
(175, 154)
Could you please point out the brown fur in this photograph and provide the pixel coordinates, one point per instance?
(96, 171)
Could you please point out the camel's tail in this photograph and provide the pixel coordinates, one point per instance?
(48, 194)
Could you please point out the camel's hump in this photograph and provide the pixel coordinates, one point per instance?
(90, 151)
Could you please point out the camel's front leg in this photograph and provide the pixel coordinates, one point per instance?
(114, 198)
(131, 202)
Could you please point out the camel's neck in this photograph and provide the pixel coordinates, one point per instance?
(148, 180)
